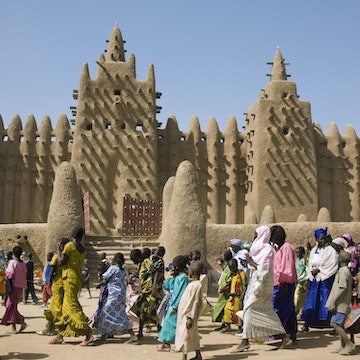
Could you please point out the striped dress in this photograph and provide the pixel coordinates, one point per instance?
(259, 318)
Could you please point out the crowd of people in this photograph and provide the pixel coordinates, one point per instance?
(265, 288)
(318, 285)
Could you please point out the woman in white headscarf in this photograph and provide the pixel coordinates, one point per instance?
(259, 318)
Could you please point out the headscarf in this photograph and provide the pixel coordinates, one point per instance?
(236, 242)
(261, 251)
(349, 239)
(341, 242)
(320, 232)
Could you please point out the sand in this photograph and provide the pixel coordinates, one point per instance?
(317, 344)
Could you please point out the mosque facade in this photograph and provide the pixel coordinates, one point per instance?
(280, 167)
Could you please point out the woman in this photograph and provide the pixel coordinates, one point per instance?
(285, 280)
(322, 267)
(259, 318)
(73, 322)
(111, 318)
(16, 270)
(53, 314)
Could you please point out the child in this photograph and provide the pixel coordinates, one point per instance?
(85, 277)
(301, 271)
(224, 291)
(235, 300)
(339, 302)
(168, 330)
(187, 336)
(111, 319)
(168, 287)
(151, 275)
(103, 265)
(46, 290)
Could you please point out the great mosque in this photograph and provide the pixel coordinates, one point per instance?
(280, 167)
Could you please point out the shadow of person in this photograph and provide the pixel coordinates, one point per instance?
(23, 356)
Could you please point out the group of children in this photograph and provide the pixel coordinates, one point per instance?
(169, 297)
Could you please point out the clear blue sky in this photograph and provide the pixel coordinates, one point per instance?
(209, 56)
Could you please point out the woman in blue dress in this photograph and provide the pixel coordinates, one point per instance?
(111, 318)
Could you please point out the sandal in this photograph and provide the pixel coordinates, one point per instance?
(44, 333)
(23, 326)
(88, 341)
(56, 341)
(132, 341)
(164, 347)
(240, 348)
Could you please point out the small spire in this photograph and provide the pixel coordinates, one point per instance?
(85, 74)
(151, 74)
(278, 71)
(115, 51)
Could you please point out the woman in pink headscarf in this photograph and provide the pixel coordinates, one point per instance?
(259, 318)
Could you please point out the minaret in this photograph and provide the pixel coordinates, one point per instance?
(115, 139)
(281, 165)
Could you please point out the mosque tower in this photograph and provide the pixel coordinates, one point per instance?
(115, 139)
(281, 155)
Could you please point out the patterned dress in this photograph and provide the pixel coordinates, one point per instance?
(112, 318)
(147, 301)
(235, 300)
(259, 318)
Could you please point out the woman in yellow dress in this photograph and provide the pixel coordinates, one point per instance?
(73, 321)
(53, 314)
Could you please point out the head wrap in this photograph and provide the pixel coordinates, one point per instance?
(169, 266)
(261, 251)
(320, 232)
(236, 242)
(341, 242)
(349, 239)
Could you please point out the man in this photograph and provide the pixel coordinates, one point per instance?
(30, 281)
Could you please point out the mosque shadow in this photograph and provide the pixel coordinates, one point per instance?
(23, 356)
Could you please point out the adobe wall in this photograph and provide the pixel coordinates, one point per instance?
(31, 237)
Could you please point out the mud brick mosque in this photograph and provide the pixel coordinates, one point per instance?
(132, 177)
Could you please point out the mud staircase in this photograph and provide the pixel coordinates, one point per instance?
(96, 245)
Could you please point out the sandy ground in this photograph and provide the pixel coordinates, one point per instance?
(317, 344)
